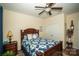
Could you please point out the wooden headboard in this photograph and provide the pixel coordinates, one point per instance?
(28, 31)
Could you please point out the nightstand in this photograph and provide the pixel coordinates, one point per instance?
(11, 47)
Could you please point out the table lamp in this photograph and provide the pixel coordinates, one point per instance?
(9, 35)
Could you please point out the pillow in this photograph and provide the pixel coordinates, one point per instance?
(29, 36)
(25, 37)
(35, 36)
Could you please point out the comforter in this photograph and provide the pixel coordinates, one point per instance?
(38, 44)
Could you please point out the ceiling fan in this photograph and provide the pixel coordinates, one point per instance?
(48, 8)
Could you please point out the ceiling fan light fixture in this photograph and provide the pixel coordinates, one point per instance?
(47, 9)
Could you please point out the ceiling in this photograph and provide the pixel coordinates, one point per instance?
(29, 8)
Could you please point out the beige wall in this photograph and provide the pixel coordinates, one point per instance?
(16, 21)
(75, 18)
(54, 26)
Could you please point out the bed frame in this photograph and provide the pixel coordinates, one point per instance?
(56, 50)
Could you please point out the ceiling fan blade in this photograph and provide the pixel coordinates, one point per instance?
(39, 7)
(50, 13)
(41, 12)
(50, 4)
(58, 8)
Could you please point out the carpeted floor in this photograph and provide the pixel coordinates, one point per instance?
(71, 52)
(66, 52)
(20, 53)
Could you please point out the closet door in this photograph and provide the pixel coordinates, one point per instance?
(1, 31)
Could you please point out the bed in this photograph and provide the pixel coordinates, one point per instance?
(39, 46)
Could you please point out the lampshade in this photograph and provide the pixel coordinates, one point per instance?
(9, 34)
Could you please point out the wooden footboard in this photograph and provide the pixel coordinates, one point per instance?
(52, 51)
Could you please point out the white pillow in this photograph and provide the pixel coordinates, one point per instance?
(35, 36)
(25, 37)
(29, 36)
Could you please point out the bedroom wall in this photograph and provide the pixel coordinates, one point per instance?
(54, 26)
(75, 18)
(16, 21)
